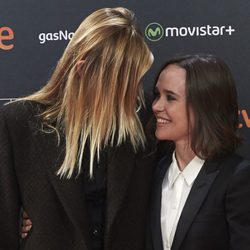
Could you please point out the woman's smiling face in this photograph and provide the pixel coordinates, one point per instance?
(169, 106)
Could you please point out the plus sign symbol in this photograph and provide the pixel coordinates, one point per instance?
(230, 30)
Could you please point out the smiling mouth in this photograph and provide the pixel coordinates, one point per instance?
(161, 121)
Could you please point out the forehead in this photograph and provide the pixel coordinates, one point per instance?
(172, 78)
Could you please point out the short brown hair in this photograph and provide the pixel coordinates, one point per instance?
(212, 95)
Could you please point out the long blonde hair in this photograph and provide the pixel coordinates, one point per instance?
(95, 103)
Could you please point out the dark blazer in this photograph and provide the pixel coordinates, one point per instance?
(217, 211)
(29, 158)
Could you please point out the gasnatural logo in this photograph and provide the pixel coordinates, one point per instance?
(154, 32)
(60, 35)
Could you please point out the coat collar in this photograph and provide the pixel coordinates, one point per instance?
(199, 190)
(198, 193)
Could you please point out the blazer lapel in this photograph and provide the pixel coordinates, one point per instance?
(194, 201)
(121, 162)
(69, 191)
(155, 213)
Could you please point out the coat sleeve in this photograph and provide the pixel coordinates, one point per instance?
(9, 192)
(238, 208)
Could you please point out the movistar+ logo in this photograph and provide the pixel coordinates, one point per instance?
(154, 32)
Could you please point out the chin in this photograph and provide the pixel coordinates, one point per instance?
(161, 137)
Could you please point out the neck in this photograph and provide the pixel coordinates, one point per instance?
(184, 154)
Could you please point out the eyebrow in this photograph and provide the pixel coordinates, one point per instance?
(167, 91)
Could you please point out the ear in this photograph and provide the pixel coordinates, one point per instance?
(79, 65)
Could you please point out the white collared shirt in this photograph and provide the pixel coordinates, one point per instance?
(175, 190)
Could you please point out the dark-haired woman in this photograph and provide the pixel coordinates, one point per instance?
(201, 191)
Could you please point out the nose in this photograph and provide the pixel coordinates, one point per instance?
(157, 105)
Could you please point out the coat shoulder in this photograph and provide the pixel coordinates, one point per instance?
(235, 162)
(20, 111)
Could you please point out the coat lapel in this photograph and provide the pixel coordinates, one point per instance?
(70, 192)
(121, 162)
(194, 201)
(155, 213)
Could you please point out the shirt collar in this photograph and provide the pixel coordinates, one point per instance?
(189, 173)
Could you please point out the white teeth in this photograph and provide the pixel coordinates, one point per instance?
(162, 121)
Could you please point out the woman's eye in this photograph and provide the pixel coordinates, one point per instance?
(170, 98)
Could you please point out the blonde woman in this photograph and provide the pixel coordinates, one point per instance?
(74, 155)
